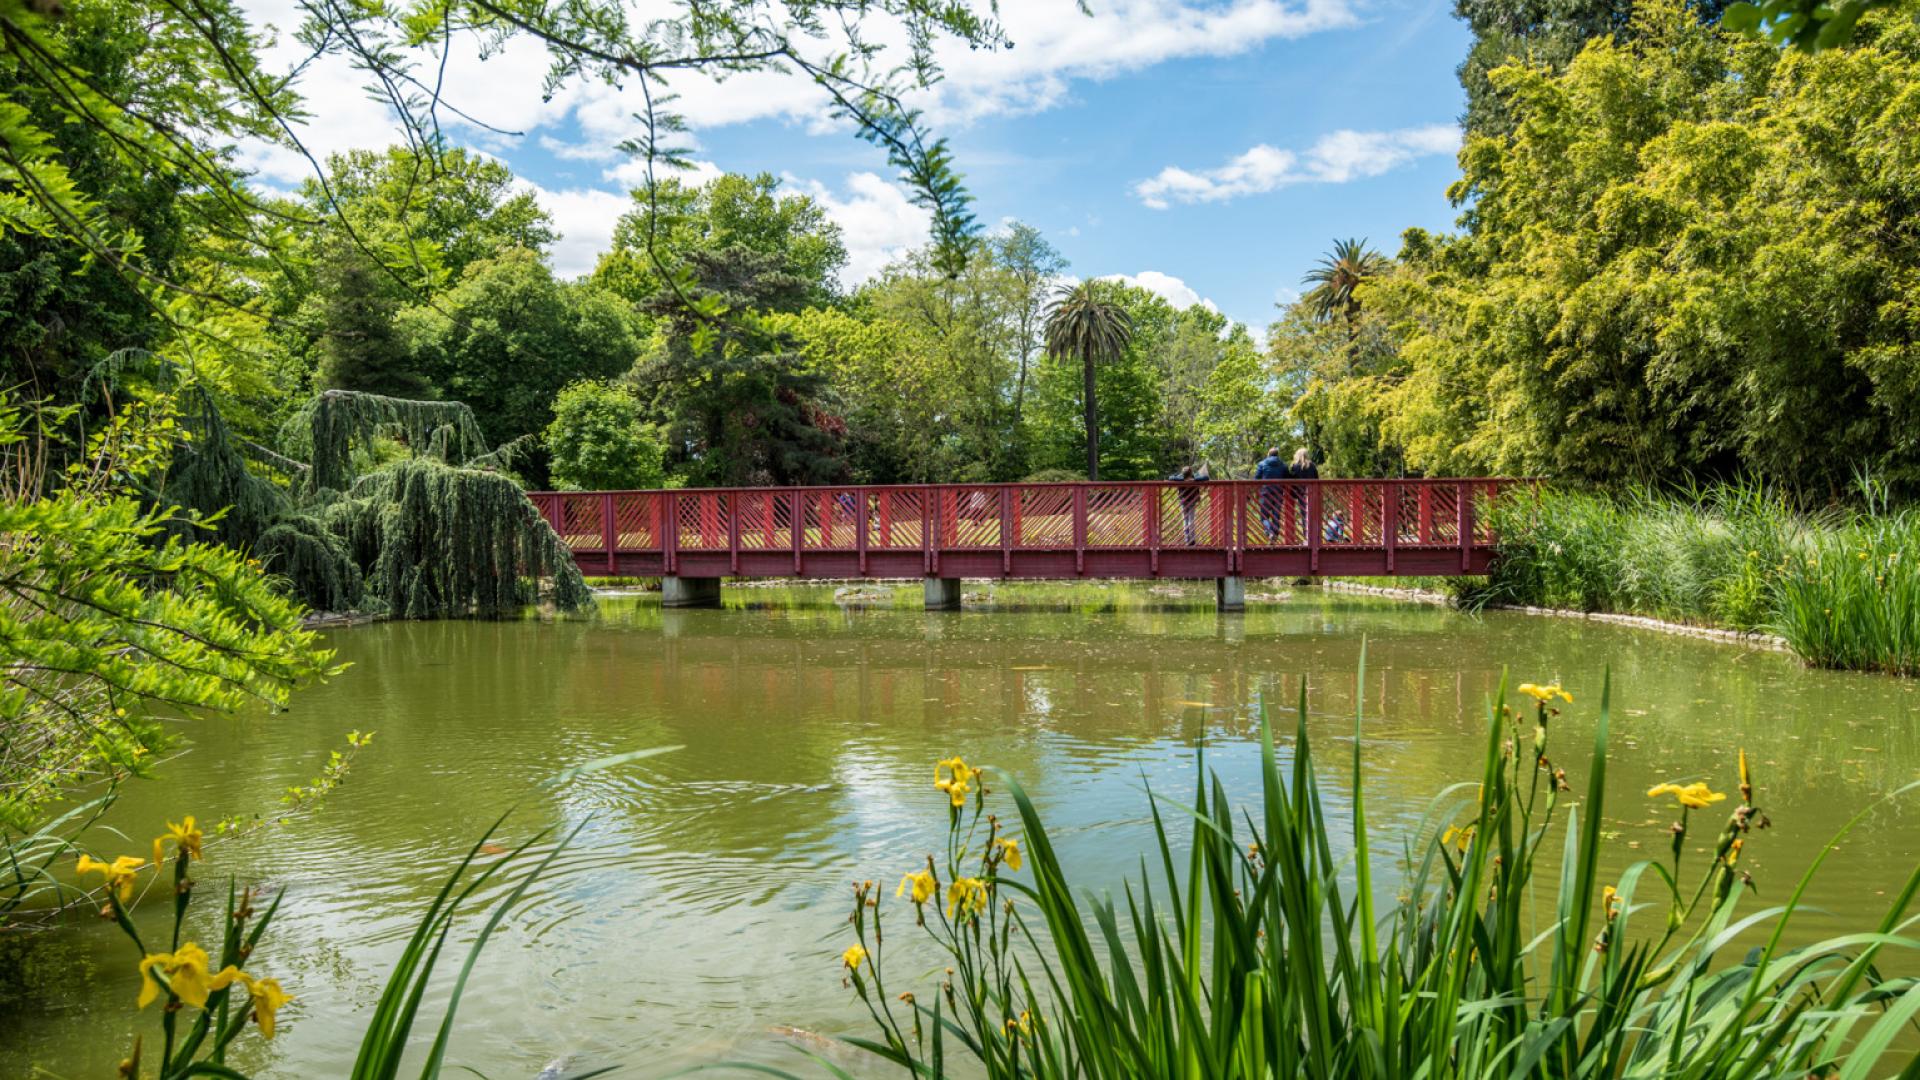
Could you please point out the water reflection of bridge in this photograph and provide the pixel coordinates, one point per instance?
(1224, 530)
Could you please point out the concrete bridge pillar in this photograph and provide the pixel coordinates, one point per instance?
(1231, 592)
(689, 592)
(943, 593)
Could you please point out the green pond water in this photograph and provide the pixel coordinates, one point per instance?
(700, 912)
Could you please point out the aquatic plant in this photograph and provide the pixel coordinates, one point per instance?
(1840, 585)
(1850, 596)
(1265, 951)
(210, 999)
(1708, 555)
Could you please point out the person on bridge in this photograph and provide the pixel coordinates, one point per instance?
(1190, 497)
(1301, 468)
(1271, 468)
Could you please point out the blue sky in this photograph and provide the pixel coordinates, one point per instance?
(1209, 149)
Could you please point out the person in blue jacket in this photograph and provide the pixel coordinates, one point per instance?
(1271, 496)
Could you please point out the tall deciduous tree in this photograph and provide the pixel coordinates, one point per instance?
(1087, 324)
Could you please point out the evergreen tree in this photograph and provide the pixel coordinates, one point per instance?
(361, 348)
(742, 406)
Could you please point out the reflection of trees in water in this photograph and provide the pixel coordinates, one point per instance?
(780, 709)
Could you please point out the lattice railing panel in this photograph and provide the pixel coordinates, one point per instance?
(1043, 517)
(1431, 515)
(1195, 515)
(896, 520)
(702, 518)
(765, 519)
(833, 520)
(636, 520)
(1483, 498)
(1351, 514)
(1276, 515)
(580, 526)
(970, 517)
(1116, 517)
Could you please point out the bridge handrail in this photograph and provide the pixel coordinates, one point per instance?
(1502, 481)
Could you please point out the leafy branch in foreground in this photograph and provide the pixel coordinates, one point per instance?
(104, 617)
(1264, 955)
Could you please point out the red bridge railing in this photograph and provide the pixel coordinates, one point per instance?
(1098, 529)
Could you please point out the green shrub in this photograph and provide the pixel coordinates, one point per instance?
(598, 442)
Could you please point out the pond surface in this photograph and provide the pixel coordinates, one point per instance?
(699, 913)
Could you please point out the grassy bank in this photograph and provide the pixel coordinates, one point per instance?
(1839, 585)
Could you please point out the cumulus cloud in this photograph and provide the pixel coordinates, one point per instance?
(1173, 290)
(878, 222)
(584, 217)
(1334, 158)
(632, 173)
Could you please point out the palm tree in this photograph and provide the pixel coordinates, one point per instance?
(1341, 271)
(1085, 323)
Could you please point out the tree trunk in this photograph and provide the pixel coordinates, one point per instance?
(1093, 421)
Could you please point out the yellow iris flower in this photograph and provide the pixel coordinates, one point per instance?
(1695, 796)
(186, 971)
(1010, 852)
(119, 873)
(1544, 694)
(185, 836)
(952, 776)
(919, 885)
(967, 896)
(854, 956)
(1610, 902)
(267, 998)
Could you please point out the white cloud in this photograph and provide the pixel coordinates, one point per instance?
(1334, 158)
(632, 173)
(878, 222)
(1175, 291)
(585, 218)
(1056, 43)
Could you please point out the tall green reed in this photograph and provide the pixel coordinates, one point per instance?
(1707, 554)
(1264, 951)
(1850, 597)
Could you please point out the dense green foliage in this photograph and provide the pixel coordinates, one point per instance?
(1270, 949)
(109, 616)
(1716, 557)
(599, 442)
(1690, 255)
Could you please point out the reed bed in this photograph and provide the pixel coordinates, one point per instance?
(1839, 585)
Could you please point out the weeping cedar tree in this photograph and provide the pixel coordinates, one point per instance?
(439, 533)
(1087, 324)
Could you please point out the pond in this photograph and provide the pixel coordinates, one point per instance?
(699, 913)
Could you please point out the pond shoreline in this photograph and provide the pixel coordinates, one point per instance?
(1641, 622)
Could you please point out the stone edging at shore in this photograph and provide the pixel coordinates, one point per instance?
(1641, 622)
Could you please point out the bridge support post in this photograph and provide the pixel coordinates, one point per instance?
(1231, 592)
(689, 592)
(943, 593)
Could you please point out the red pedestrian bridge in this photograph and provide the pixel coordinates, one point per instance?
(1228, 530)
